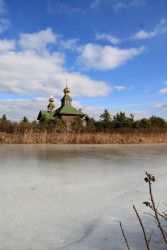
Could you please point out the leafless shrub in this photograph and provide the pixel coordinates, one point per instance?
(150, 179)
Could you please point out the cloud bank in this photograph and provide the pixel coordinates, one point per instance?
(98, 57)
(160, 106)
(35, 69)
(34, 65)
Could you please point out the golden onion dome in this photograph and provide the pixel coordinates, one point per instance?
(51, 99)
(66, 91)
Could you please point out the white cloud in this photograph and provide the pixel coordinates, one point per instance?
(126, 4)
(24, 107)
(91, 111)
(2, 7)
(6, 45)
(28, 72)
(82, 85)
(58, 7)
(141, 35)
(118, 5)
(119, 88)
(4, 24)
(160, 106)
(69, 44)
(105, 58)
(136, 3)
(161, 28)
(94, 4)
(111, 39)
(138, 114)
(37, 40)
(162, 91)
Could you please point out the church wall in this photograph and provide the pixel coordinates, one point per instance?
(84, 123)
(68, 118)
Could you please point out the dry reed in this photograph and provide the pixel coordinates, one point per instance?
(69, 137)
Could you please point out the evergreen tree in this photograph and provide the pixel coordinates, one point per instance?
(145, 123)
(121, 120)
(76, 124)
(44, 119)
(34, 122)
(105, 117)
(91, 123)
(136, 124)
(157, 121)
(105, 122)
(59, 122)
(25, 119)
(4, 118)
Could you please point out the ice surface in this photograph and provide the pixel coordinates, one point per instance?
(73, 196)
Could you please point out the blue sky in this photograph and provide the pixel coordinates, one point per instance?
(114, 53)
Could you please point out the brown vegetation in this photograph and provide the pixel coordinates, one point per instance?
(119, 130)
(120, 136)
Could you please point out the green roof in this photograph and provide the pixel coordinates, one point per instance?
(51, 104)
(62, 110)
(66, 97)
(49, 115)
(68, 110)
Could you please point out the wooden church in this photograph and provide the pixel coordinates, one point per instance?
(66, 111)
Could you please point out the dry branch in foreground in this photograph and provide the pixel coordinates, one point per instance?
(150, 179)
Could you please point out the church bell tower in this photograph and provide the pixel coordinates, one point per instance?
(66, 100)
(51, 106)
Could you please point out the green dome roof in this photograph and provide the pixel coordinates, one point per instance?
(51, 105)
(66, 97)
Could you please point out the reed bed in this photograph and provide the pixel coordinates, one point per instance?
(69, 137)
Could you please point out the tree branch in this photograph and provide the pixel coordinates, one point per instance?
(124, 236)
(144, 232)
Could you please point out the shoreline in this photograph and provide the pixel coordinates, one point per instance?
(79, 138)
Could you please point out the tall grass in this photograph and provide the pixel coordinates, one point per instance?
(25, 132)
(69, 137)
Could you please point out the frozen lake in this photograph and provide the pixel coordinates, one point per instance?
(73, 196)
